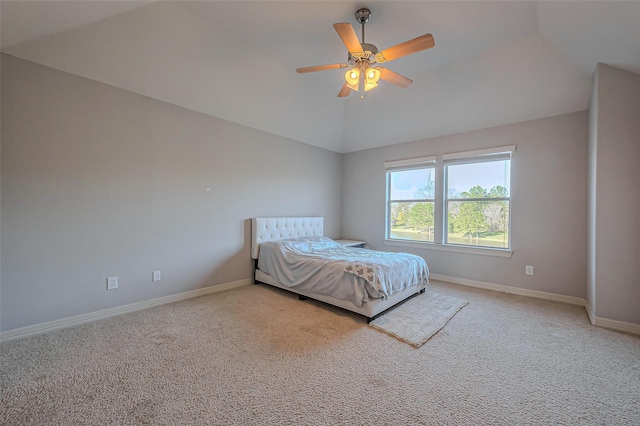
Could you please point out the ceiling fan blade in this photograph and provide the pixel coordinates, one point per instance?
(320, 68)
(394, 78)
(418, 44)
(348, 36)
(344, 91)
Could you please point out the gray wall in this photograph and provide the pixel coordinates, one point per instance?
(549, 203)
(615, 173)
(98, 182)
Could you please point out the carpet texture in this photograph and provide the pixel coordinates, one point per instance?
(258, 356)
(420, 317)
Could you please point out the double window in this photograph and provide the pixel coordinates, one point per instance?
(475, 199)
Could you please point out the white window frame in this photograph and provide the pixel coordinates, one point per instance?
(420, 163)
(469, 157)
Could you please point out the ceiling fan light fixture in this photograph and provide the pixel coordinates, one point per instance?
(352, 77)
(369, 86)
(371, 77)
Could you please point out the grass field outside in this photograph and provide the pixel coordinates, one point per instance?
(487, 239)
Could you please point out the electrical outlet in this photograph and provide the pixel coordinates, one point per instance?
(156, 276)
(528, 270)
(112, 283)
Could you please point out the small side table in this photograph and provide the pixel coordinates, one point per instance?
(352, 243)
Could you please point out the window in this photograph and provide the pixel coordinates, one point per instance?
(472, 208)
(477, 199)
(411, 199)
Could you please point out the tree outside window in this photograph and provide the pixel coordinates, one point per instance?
(478, 202)
(410, 204)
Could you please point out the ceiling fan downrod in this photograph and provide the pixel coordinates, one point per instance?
(362, 16)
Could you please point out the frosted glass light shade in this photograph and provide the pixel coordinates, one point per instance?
(371, 77)
(352, 77)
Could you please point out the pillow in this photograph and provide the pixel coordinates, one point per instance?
(320, 243)
(301, 244)
(283, 245)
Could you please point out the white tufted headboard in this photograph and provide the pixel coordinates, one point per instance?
(265, 229)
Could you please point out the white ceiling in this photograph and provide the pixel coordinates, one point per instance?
(494, 62)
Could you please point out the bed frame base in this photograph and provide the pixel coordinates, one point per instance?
(370, 310)
(369, 319)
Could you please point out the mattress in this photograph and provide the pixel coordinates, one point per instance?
(323, 266)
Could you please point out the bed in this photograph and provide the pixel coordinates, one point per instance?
(292, 253)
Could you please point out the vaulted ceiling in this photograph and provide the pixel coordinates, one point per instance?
(494, 62)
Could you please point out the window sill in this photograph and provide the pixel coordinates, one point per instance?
(483, 251)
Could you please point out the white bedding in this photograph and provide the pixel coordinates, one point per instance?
(324, 266)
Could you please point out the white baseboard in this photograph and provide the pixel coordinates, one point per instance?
(589, 310)
(625, 327)
(32, 330)
(512, 290)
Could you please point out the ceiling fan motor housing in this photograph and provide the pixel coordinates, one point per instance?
(368, 47)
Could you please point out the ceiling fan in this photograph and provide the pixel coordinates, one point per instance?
(362, 75)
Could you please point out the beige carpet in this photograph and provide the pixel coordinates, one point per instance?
(416, 320)
(259, 356)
